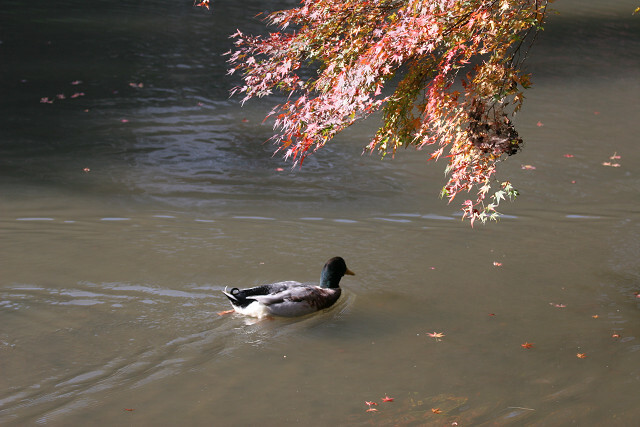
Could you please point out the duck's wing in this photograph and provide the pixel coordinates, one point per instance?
(244, 297)
(298, 300)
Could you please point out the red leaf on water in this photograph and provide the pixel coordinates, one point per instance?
(614, 335)
(568, 156)
(526, 345)
(581, 356)
(436, 335)
(497, 264)
(127, 409)
(204, 3)
(539, 124)
(370, 403)
(372, 410)
(387, 398)
(528, 167)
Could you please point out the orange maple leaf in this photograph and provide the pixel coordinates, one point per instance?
(436, 410)
(581, 355)
(436, 334)
(526, 345)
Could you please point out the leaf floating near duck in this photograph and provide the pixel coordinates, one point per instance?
(291, 299)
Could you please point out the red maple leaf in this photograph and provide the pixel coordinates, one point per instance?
(526, 345)
(387, 398)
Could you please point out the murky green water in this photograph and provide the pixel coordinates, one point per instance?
(110, 278)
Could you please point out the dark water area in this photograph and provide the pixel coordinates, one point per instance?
(133, 190)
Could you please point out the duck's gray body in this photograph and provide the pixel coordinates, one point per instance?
(291, 299)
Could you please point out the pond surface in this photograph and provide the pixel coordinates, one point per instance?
(141, 191)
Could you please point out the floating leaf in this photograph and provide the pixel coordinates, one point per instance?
(436, 410)
(526, 345)
(436, 335)
(387, 399)
(581, 355)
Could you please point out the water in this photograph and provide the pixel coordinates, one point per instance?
(111, 276)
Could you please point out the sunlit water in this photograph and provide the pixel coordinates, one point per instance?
(127, 209)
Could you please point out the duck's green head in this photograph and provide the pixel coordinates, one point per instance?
(333, 271)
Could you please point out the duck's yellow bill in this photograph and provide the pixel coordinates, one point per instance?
(349, 272)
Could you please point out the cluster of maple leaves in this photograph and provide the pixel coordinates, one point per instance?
(403, 58)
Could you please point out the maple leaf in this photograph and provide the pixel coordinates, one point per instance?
(436, 335)
(203, 3)
(436, 410)
(581, 355)
(614, 335)
(372, 410)
(497, 264)
(370, 403)
(222, 313)
(526, 345)
(387, 399)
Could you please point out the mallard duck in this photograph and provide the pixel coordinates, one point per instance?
(291, 299)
